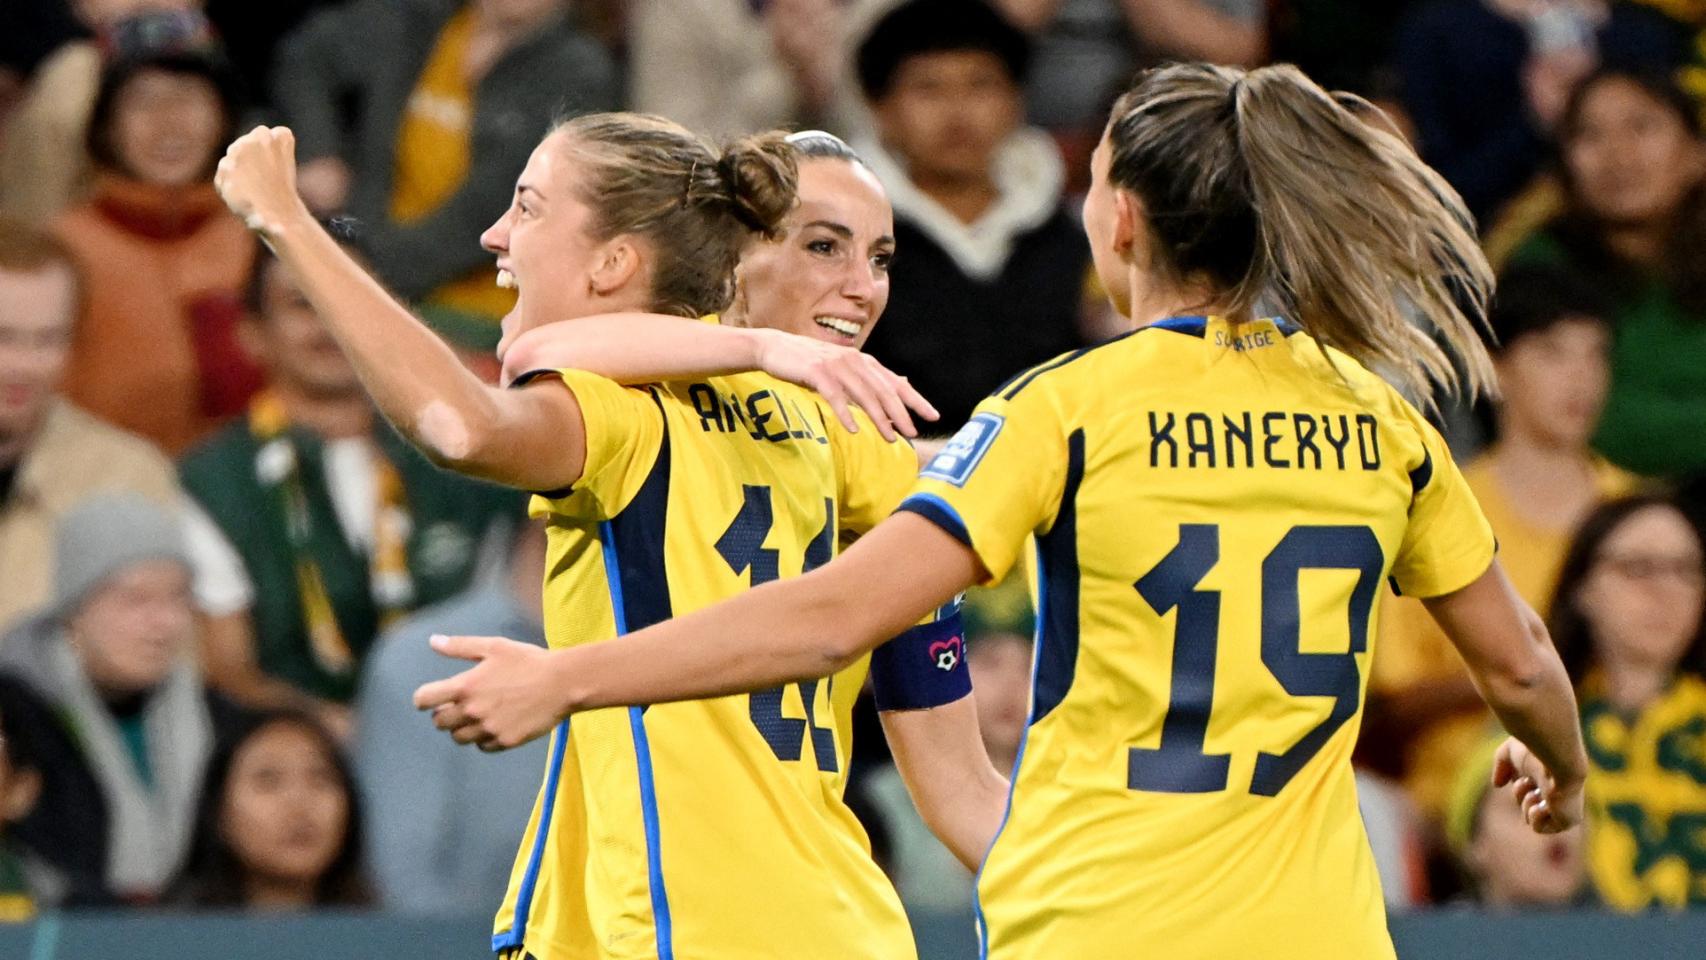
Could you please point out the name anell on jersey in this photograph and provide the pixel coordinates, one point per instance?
(761, 415)
(1280, 439)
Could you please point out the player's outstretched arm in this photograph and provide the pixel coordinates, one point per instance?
(635, 348)
(532, 438)
(1514, 665)
(957, 790)
(799, 629)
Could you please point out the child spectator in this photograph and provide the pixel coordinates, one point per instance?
(1535, 483)
(312, 525)
(1508, 866)
(987, 251)
(44, 159)
(114, 657)
(162, 258)
(52, 455)
(1628, 623)
(279, 826)
(1635, 226)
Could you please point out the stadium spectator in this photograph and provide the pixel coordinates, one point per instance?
(114, 657)
(312, 525)
(1635, 174)
(1628, 623)
(60, 843)
(445, 122)
(1087, 52)
(430, 856)
(727, 68)
(1535, 484)
(924, 871)
(279, 825)
(154, 352)
(44, 159)
(52, 455)
(987, 252)
(26, 883)
(1506, 864)
(1486, 81)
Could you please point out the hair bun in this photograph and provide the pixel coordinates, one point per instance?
(760, 175)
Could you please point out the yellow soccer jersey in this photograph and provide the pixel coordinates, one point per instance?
(711, 828)
(1216, 508)
(1647, 797)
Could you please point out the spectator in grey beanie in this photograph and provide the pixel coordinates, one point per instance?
(114, 657)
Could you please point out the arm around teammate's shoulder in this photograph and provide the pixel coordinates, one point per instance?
(1511, 658)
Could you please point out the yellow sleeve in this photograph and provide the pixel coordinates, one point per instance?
(1448, 542)
(624, 434)
(1000, 479)
(872, 474)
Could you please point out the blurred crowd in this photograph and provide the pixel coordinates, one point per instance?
(219, 567)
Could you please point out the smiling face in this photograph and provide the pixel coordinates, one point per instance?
(545, 246)
(826, 275)
(166, 125)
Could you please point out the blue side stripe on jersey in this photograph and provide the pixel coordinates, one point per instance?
(512, 937)
(1043, 606)
(1057, 653)
(1420, 476)
(937, 511)
(634, 567)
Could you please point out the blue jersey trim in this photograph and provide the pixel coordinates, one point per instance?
(524, 897)
(1190, 326)
(1018, 762)
(633, 543)
(1420, 477)
(642, 761)
(938, 511)
(1057, 653)
(654, 852)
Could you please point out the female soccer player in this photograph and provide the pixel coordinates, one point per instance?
(658, 501)
(1218, 498)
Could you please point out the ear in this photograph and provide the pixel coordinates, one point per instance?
(615, 265)
(1128, 223)
(22, 790)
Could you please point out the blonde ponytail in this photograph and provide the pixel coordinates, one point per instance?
(1279, 192)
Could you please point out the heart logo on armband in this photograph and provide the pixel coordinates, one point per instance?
(946, 653)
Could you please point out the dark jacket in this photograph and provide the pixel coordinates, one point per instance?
(372, 52)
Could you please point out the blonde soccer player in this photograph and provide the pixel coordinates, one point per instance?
(1218, 498)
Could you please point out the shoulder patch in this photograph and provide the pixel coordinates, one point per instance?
(965, 450)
